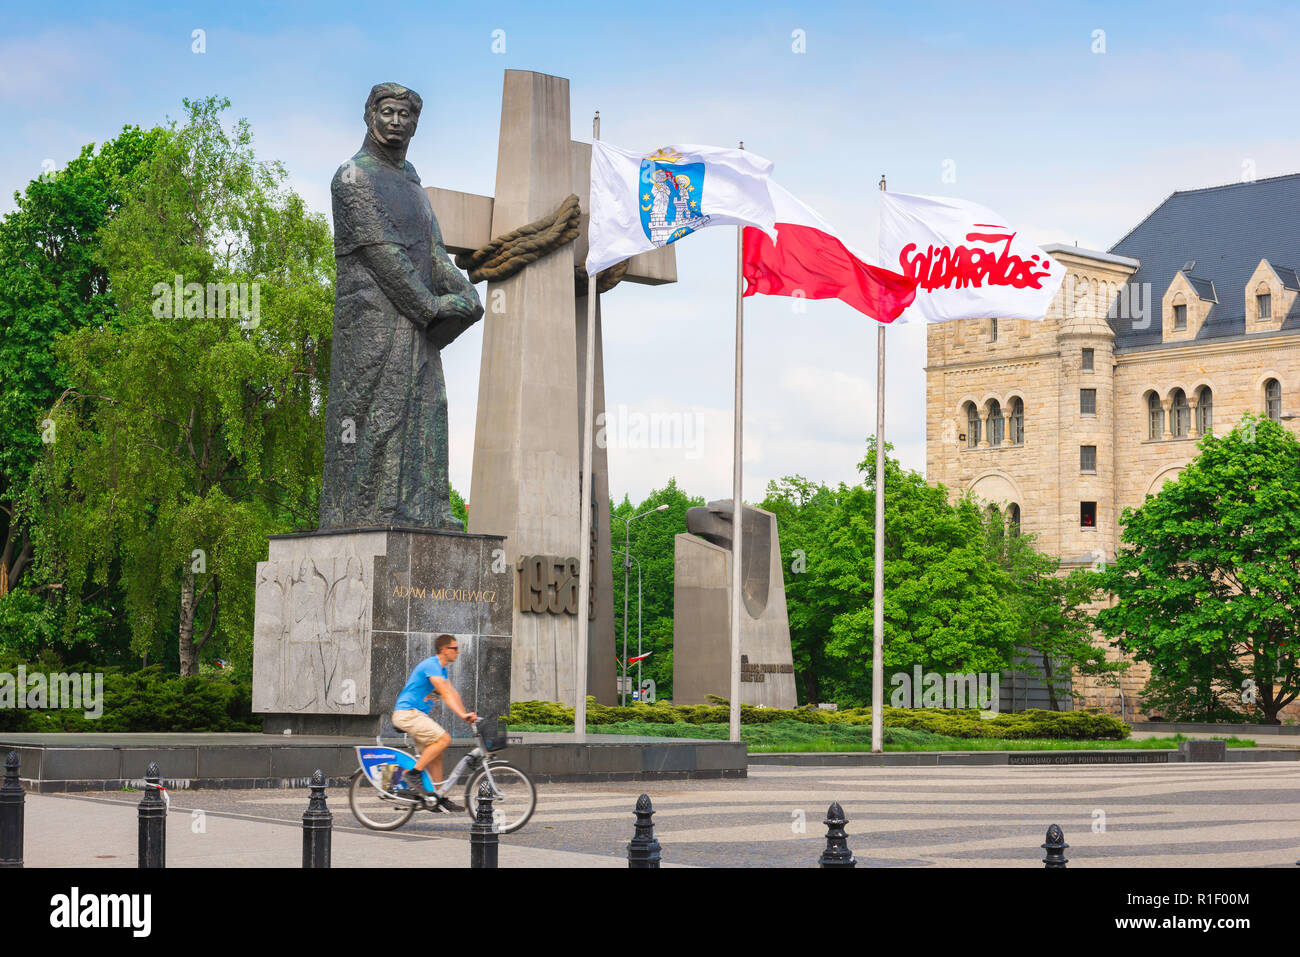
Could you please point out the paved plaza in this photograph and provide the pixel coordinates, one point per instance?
(1203, 815)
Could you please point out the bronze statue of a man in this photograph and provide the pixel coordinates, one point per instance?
(398, 300)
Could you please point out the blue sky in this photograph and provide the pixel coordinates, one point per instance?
(1012, 105)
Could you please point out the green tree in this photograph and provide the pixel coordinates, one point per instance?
(804, 512)
(651, 542)
(1209, 570)
(947, 605)
(51, 283)
(191, 429)
(1054, 639)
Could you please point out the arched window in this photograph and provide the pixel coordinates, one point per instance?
(1180, 415)
(1205, 411)
(1013, 518)
(1017, 421)
(1273, 399)
(1155, 417)
(972, 426)
(995, 423)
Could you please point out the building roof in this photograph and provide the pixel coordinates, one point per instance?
(1090, 254)
(1290, 280)
(1227, 230)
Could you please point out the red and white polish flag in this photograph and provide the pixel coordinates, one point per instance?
(809, 260)
(967, 261)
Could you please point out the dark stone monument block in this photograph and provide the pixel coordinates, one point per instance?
(343, 615)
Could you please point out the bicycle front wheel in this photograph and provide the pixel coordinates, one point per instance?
(375, 810)
(514, 798)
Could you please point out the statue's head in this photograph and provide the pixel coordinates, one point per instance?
(392, 113)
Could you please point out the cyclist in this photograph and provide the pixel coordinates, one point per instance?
(411, 714)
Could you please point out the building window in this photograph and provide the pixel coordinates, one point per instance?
(993, 330)
(1087, 401)
(1013, 518)
(1087, 360)
(1087, 458)
(1205, 411)
(1087, 514)
(1180, 415)
(1265, 304)
(972, 426)
(1180, 317)
(995, 423)
(1017, 421)
(1155, 417)
(1273, 399)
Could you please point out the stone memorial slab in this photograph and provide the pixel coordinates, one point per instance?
(344, 615)
(702, 611)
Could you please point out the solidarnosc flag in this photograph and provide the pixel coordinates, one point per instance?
(640, 201)
(967, 261)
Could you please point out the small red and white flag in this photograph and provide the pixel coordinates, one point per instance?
(968, 262)
(635, 658)
(810, 261)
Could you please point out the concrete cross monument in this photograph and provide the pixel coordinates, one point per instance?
(526, 480)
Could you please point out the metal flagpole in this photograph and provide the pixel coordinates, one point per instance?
(588, 460)
(737, 503)
(878, 595)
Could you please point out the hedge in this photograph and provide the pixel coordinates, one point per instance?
(144, 700)
(1084, 725)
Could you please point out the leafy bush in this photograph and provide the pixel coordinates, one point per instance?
(955, 723)
(144, 700)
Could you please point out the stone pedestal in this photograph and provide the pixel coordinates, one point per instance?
(343, 615)
(702, 611)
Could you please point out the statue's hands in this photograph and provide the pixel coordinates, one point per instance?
(457, 307)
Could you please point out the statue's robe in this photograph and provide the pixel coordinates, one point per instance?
(387, 391)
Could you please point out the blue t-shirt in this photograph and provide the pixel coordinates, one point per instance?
(418, 692)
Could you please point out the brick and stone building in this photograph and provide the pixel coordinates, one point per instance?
(1186, 324)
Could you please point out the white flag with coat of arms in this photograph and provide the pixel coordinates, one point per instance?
(640, 201)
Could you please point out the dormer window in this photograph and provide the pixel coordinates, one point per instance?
(1180, 317)
(1271, 294)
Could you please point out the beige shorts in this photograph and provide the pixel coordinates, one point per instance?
(423, 730)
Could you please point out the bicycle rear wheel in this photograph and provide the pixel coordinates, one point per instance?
(514, 797)
(374, 809)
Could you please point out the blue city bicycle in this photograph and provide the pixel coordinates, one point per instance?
(382, 801)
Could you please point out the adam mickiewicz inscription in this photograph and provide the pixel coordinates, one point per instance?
(446, 594)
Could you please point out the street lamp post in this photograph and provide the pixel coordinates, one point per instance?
(627, 567)
(638, 620)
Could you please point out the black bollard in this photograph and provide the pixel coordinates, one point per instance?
(1055, 848)
(317, 825)
(152, 851)
(643, 849)
(483, 839)
(12, 797)
(837, 853)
